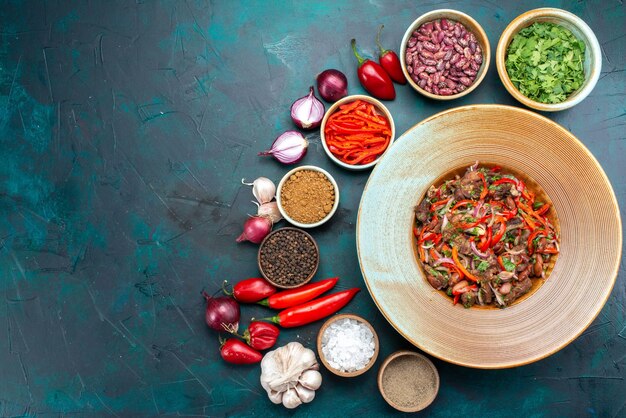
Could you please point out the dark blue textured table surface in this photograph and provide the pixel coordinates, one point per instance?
(125, 130)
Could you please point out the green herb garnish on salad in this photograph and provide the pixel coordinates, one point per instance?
(545, 62)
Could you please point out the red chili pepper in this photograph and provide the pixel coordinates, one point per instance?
(374, 77)
(289, 298)
(461, 267)
(314, 310)
(505, 180)
(439, 203)
(532, 236)
(464, 225)
(501, 262)
(485, 242)
(496, 238)
(463, 203)
(485, 190)
(252, 290)
(389, 61)
(548, 251)
(542, 210)
(455, 268)
(261, 335)
(236, 352)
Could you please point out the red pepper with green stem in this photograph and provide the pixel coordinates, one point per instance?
(314, 310)
(389, 61)
(293, 297)
(374, 78)
(261, 335)
(251, 290)
(234, 351)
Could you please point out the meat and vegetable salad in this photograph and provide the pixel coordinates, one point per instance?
(482, 237)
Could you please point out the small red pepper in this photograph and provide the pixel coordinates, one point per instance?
(485, 242)
(442, 202)
(532, 236)
(496, 238)
(374, 77)
(236, 352)
(389, 61)
(505, 180)
(314, 310)
(253, 290)
(261, 335)
(461, 267)
(485, 190)
(542, 210)
(293, 297)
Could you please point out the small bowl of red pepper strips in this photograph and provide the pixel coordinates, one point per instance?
(356, 131)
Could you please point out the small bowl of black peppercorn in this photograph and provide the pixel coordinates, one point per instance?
(288, 257)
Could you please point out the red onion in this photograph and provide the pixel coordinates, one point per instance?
(443, 260)
(307, 112)
(478, 253)
(497, 295)
(477, 208)
(505, 276)
(332, 85)
(222, 313)
(255, 229)
(289, 148)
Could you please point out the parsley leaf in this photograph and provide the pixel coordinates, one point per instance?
(508, 264)
(483, 266)
(545, 62)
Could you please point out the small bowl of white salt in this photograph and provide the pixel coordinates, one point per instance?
(347, 345)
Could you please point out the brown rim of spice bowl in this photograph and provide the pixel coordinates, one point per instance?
(308, 279)
(422, 404)
(323, 359)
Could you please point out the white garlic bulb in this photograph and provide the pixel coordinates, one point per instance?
(262, 188)
(289, 375)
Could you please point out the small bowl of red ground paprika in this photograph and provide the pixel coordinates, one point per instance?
(307, 196)
(356, 131)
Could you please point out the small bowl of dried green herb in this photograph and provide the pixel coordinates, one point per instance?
(307, 196)
(548, 59)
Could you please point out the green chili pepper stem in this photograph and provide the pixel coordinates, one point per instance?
(275, 319)
(356, 54)
(226, 292)
(383, 51)
(264, 302)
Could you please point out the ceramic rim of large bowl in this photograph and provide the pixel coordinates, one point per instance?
(584, 274)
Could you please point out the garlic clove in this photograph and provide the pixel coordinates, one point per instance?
(307, 358)
(291, 399)
(263, 189)
(310, 379)
(305, 395)
(269, 210)
(275, 397)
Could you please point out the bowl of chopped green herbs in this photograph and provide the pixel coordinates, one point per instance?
(548, 59)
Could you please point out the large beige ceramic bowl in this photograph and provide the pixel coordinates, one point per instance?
(585, 204)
